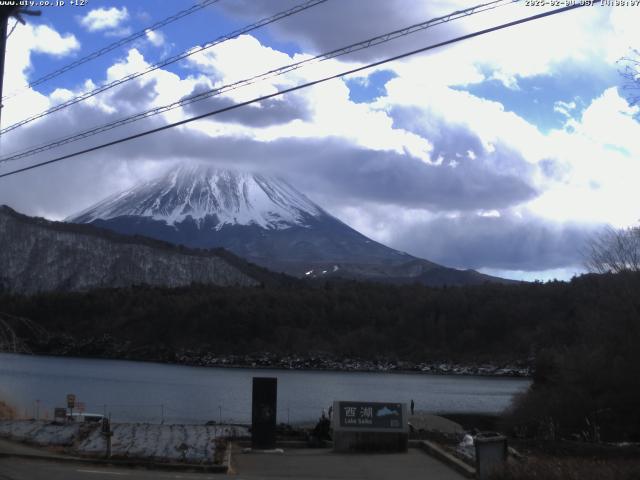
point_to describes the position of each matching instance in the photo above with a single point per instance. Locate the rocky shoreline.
(108, 347)
(318, 362)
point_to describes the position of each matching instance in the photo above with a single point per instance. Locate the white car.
(85, 417)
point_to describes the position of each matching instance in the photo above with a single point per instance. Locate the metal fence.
(162, 413)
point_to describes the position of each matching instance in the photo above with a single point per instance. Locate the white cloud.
(361, 159)
(623, 33)
(485, 118)
(47, 40)
(361, 139)
(26, 40)
(228, 60)
(104, 18)
(601, 153)
(334, 115)
(534, 48)
(155, 37)
(564, 108)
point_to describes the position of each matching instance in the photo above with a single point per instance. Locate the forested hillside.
(583, 335)
(412, 322)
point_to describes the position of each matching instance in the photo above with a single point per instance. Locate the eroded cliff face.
(37, 255)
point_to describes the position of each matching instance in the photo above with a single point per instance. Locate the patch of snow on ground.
(39, 432)
(162, 443)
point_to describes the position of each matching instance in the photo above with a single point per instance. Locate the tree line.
(583, 335)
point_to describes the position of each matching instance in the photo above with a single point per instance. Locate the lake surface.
(151, 392)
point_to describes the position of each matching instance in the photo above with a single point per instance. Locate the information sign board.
(371, 415)
(59, 413)
(370, 427)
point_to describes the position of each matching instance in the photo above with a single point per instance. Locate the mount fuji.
(263, 219)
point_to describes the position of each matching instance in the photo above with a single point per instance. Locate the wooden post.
(4, 20)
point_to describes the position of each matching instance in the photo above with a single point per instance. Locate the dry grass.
(571, 469)
(7, 412)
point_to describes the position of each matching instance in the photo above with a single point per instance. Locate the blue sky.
(194, 29)
(367, 89)
(503, 153)
(535, 97)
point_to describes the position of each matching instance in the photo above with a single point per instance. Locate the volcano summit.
(263, 219)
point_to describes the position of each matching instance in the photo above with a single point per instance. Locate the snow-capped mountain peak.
(262, 219)
(200, 191)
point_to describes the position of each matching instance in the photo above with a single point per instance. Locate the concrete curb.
(445, 457)
(125, 463)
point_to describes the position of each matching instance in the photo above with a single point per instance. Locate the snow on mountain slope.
(262, 219)
(198, 191)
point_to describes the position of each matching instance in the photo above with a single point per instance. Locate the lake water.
(151, 392)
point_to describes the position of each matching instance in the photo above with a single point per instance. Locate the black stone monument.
(263, 414)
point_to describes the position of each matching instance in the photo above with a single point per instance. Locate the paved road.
(321, 464)
(303, 464)
(7, 446)
(307, 465)
(19, 469)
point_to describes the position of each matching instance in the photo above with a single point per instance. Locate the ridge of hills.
(41, 255)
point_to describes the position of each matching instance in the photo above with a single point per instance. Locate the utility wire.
(167, 61)
(261, 77)
(297, 87)
(119, 43)
(12, 29)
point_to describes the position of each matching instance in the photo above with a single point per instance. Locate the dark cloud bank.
(322, 168)
(508, 242)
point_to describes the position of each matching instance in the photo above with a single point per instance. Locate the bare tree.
(630, 71)
(614, 251)
(15, 330)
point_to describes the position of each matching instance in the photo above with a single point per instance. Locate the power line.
(263, 76)
(297, 87)
(167, 61)
(119, 43)
(13, 28)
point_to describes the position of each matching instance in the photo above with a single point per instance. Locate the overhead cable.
(119, 43)
(257, 78)
(297, 87)
(167, 61)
